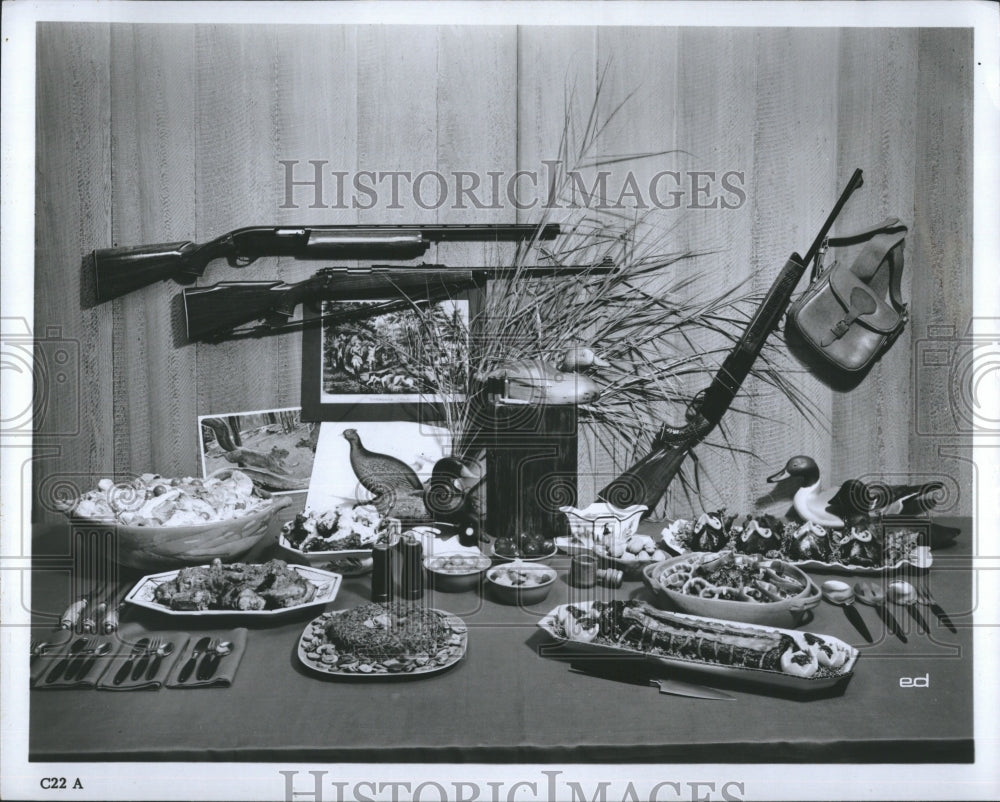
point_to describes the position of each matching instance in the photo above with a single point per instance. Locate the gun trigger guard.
(240, 260)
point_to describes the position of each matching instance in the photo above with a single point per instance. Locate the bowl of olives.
(521, 583)
(526, 546)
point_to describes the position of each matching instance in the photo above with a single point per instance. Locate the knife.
(859, 623)
(942, 616)
(199, 649)
(891, 622)
(921, 621)
(123, 672)
(60, 667)
(678, 688)
(635, 676)
(924, 594)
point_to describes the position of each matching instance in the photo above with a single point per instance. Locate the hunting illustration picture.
(396, 353)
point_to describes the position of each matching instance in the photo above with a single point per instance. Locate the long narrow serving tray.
(922, 558)
(823, 680)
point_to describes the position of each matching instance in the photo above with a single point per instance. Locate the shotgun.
(647, 480)
(119, 271)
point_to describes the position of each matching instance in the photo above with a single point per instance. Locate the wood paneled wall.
(171, 132)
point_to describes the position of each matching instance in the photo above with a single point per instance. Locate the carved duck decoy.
(854, 500)
(533, 381)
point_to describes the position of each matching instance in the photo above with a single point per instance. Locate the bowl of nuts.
(456, 571)
(161, 523)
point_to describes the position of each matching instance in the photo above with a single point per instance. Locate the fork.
(80, 657)
(925, 597)
(206, 661)
(142, 662)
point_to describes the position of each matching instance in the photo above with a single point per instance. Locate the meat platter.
(319, 650)
(793, 661)
(323, 587)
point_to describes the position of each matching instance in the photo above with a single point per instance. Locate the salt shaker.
(382, 567)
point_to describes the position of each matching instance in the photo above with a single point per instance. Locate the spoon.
(211, 662)
(904, 594)
(164, 650)
(199, 648)
(870, 594)
(842, 595)
(102, 648)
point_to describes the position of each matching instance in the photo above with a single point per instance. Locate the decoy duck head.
(802, 467)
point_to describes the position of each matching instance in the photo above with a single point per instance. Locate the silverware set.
(908, 596)
(144, 660)
(79, 660)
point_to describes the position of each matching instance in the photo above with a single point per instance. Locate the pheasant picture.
(394, 484)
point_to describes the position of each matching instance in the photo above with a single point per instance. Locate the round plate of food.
(383, 640)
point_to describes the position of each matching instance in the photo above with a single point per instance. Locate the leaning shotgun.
(216, 312)
(647, 480)
(119, 271)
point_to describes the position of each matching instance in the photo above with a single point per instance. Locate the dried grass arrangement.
(662, 325)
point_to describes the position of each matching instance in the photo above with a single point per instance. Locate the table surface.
(510, 700)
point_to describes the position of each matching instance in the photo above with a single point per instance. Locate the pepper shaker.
(412, 584)
(382, 568)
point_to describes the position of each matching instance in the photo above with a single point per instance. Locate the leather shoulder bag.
(849, 316)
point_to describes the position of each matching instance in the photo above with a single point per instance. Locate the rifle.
(119, 271)
(647, 480)
(213, 313)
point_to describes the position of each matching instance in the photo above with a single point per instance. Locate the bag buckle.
(861, 304)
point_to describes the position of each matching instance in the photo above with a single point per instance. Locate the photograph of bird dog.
(384, 462)
(274, 447)
(394, 356)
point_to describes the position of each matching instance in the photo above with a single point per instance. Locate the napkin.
(226, 671)
(56, 640)
(90, 664)
(128, 636)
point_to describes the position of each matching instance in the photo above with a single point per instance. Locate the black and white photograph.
(275, 447)
(492, 402)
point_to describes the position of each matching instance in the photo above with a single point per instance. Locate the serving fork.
(924, 597)
(869, 593)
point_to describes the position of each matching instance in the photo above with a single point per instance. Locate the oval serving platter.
(311, 643)
(755, 676)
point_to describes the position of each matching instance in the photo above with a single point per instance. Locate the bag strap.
(889, 225)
